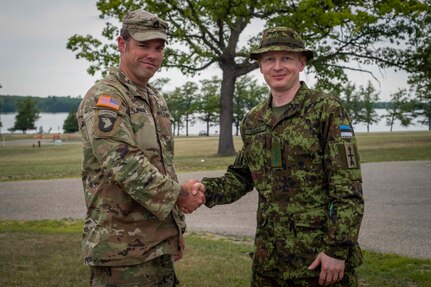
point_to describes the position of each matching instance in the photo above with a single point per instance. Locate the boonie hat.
(144, 26)
(281, 39)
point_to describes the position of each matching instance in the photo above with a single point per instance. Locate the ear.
(121, 44)
(260, 66)
(302, 61)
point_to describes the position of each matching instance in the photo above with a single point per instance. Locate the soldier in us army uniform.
(300, 154)
(134, 223)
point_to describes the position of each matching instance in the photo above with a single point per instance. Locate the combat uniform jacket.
(305, 168)
(130, 184)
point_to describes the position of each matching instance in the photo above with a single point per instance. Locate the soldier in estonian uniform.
(134, 223)
(300, 154)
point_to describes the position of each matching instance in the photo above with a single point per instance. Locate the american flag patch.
(107, 101)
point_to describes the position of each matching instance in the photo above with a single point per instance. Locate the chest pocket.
(144, 128)
(256, 147)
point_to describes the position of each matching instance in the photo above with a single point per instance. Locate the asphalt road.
(397, 207)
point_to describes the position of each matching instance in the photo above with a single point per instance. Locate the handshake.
(192, 195)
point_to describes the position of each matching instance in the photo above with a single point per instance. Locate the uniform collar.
(293, 107)
(136, 90)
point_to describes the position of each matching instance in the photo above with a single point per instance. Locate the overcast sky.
(34, 59)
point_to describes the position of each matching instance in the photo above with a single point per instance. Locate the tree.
(343, 34)
(70, 124)
(182, 103)
(419, 62)
(369, 97)
(401, 109)
(175, 105)
(188, 94)
(28, 114)
(208, 102)
(248, 93)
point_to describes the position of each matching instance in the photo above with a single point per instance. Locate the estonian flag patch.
(345, 131)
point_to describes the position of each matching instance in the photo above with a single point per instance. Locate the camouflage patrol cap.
(281, 39)
(144, 26)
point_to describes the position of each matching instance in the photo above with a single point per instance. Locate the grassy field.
(23, 162)
(47, 253)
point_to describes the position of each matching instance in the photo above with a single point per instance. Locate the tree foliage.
(346, 35)
(70, 124)
(368, 97)
(208, 102)
(248, 93)
(401, 109)
(50, 104)
(419, 61)
(28, 114)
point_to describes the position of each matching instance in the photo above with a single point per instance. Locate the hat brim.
(255, 55)
(142, 36)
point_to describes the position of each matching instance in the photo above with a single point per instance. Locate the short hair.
(125, 34)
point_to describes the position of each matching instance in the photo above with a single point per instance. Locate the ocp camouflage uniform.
(130, 184)
(305, 168)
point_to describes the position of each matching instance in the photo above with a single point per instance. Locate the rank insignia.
(350, 155)
(106, 120)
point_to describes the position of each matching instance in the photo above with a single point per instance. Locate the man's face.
(281, 69)
(141, 60)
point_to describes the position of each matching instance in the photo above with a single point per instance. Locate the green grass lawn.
(47, 253)
(23, 162)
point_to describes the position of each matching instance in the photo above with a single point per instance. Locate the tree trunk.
(225, 144)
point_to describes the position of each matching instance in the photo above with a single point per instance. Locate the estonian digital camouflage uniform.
(129, 179)
(304, 165)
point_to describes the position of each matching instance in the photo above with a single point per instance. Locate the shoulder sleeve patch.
(109, 102)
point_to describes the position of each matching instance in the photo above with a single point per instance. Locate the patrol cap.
(281, 39)
(144, 26)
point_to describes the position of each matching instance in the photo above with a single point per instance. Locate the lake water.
(54, 123)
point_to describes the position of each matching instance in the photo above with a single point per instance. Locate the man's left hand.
(332, 269)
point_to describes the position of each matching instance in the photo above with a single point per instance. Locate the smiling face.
(140, 60)
(281, 69)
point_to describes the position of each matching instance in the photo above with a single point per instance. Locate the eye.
(144, 45)
(286, 59)
(268, 59)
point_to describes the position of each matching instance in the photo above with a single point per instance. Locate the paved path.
(397, 211)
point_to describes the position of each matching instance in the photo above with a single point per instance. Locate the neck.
(283, 97)
(131, 77)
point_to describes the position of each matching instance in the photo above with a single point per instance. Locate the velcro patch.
(350, 155)
(345, 131)
(106, 120)
(109, 102)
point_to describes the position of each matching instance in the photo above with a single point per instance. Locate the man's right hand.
(192, 195)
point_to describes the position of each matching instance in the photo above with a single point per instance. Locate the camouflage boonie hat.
(145, 26)
(281, 39)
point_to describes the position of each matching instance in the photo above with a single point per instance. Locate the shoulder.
(257, 112)
(107, 92)
(321, 100)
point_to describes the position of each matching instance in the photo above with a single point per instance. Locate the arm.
(342, 166)
(235, 183)
(346, 205)
(123, 163)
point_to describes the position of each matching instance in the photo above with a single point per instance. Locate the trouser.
(158, 272)
(262, 280)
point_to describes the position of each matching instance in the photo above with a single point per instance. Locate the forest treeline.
(64, 104)
(50, 104)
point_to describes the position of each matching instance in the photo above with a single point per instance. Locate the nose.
(277, 64)
(151, 53)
